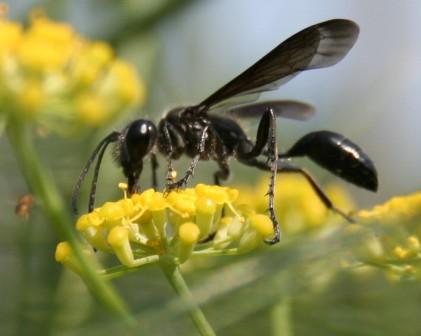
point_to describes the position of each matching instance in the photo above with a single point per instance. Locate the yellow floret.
(397, 209)
(157, 202)
(118, 236)
(10, 36)
(183, 202)
(112, 213)
(414, 242)
(88, 220)
(31, 98)
(205, 205)
(59, 33)
(128, 206)
(100, 52)
(400, 252)
(189, 233)
(93, 59)
(262, 224)
(216, 193)
(63, 252)
(127, 86)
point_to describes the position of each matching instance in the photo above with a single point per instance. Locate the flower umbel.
(204, 220)
(52, 75)
(395, 246)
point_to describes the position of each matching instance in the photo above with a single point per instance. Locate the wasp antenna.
(112, 137)
(96, 173)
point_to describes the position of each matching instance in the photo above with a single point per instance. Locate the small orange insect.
(24, 206)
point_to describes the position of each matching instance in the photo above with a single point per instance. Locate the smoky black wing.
(291, 109)
(318, 46)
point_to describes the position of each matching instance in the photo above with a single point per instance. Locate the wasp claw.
(274, 240)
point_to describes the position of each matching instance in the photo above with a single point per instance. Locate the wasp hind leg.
(290, 168)
(266, 139)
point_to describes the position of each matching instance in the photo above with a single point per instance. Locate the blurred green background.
(185, 50)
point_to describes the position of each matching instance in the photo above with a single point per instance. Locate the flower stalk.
(43, 187)
(281, 317)
(174, 276)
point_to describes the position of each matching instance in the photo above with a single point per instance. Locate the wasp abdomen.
(339, 155)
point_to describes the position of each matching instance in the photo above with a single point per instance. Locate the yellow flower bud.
(64, 255)
(205, 205)
(189, 235)
(118, 236)
(400, 252)
(63, 252)
(262, 224)
(414, 242)
(206, 209)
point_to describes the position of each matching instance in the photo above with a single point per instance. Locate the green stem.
(25, 230)
(281, 317)
(41, 184)
(174, 276)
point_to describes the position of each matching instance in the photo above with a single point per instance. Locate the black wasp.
(202, 133)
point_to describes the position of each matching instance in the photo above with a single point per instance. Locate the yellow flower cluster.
(50, 74)
(410, 250)
(202, 220)
(395, 246)
(397, 210)
(297, 206)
